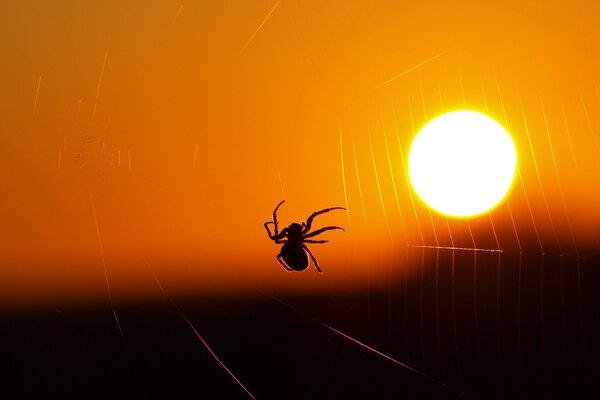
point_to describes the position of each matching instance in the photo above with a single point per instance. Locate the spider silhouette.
(293, 252)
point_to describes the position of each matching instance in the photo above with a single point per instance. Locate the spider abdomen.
(294, 256)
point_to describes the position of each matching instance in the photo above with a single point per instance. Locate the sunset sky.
(168, 131)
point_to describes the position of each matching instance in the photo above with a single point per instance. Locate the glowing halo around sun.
(462, 163)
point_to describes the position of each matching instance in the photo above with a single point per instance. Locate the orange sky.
(198, 133)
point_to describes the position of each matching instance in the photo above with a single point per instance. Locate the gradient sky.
(189, 121)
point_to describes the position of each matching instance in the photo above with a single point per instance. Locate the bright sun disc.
(462, 163)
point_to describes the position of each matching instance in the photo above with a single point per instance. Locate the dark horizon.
(282, 346)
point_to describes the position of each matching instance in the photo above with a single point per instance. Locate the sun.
(462, 163)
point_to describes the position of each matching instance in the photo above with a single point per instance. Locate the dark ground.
(533, 343)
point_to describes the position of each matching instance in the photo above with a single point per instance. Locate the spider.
(293, 252)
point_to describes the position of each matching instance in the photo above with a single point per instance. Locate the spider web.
(496, 312)
(471, 308)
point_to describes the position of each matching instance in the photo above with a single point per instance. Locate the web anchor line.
(373, 350)
(456, 248)
(193, 328)
(516, 251)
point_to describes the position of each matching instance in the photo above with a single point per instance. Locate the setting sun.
(462, 163)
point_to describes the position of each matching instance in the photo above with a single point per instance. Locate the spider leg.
(312, 257)
(280, 259)
(267, 228)
(277, 236)
(316, 241)
(318, 231)
(275, 216)
(313, 215)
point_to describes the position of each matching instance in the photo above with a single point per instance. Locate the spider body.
(293, 256)
(294, 252)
